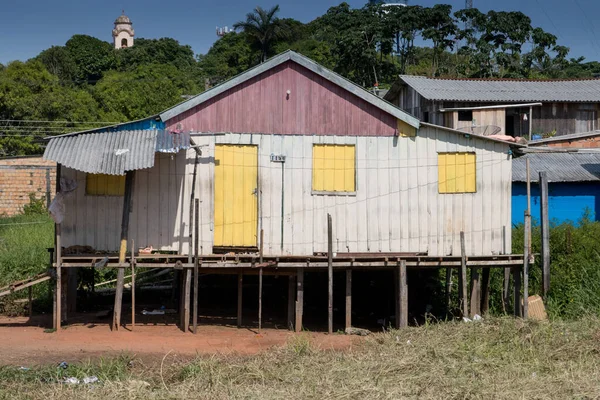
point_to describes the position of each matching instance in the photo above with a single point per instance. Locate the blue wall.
(566, 201)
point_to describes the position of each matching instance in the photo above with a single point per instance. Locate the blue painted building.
(573, 185)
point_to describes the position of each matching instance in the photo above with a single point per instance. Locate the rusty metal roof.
(560, 167)
(505, 90)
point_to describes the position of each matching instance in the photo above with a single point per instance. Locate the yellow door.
(236, 195)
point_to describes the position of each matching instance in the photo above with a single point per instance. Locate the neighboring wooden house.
(504, 106)
(573, 186)
(283, 145)
(585, 140)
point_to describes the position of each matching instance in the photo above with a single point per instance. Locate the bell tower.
(123, 32)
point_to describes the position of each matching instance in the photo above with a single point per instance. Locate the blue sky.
(29, 27)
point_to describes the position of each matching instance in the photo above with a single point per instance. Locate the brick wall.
(583, 143)
(21, 176)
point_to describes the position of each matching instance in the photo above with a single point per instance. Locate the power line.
(593, 38)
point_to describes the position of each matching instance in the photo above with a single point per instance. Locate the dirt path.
(24, 342)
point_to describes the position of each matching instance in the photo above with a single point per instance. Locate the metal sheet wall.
(396, 207)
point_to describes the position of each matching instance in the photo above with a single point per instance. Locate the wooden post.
(260, 280)
(485, 290)
(240, 283)
(528, 211)
(196, 261)
(299, 299)
(463, 276)
(48, 186)
(545, 225)
(402, 302)
(506, 280)
(64, 292)
(530, 122)
(517, 291)
(132, 284)
(127, 199)
(526, 253)
(348, 323)
(475, 293)
(291, 302)
(58, 291)
(448, 288)
(329, 275)
(30, 298)
(186, 305)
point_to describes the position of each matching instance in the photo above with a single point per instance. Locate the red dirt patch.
(24, 342)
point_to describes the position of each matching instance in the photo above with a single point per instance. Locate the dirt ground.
(23, 341)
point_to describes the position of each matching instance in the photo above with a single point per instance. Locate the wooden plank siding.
(314, 106)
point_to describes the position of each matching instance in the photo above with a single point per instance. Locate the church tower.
(123, 32)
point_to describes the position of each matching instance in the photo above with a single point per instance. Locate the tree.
(92, 57)
(228, 56)
(58, 61)
(440, 28)
(156, 51)
(405, 24)
(264, 28)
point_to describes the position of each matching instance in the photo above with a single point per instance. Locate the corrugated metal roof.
(498, 90)
(560, 167)
(562, 138)
(110, 153)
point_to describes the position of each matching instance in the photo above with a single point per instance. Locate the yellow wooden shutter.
(456, 173)
(334, 168)
(104, 185)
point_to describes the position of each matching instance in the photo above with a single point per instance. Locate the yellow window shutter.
(334, 168)
(104, 185)
(456, 173)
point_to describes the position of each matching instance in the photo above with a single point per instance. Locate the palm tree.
(264, 28)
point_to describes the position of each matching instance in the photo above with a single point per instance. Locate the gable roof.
(308, 64)
(505, 90)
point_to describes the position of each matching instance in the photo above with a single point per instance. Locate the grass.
(497, 358)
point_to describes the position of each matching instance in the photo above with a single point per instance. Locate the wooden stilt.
(506, 280)
(132, 285)
(58, 291)
(517, 292)
(526, 253)
(448, 288)
(196, 261)
(291, 302)
(403, 297)
(463, 277)
(30, 298)
(348, 323)
(260, 281)
(475, 293)
(329, 275)
(186, 305)
(299, 299)
(64, 292)
(485, 290)
(127, 199)
(545, 226)
(240, 283)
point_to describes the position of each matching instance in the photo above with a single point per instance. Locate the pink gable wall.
(314, 106)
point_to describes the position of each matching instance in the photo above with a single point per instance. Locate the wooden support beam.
(527, 252)
(545, 226)
(463, 277)
(329, 275)
(132, 285)
(485, 290)
(448, 289)
(402, 321)
(196, 260)
(348, 323)
(58, 291)
(260, 280)
(127, 200)
(518, 310)
(291, 302)
(30, 299)
(63, 298)
(240, 289)
(475, 293)
(186, 304)
(299, 299)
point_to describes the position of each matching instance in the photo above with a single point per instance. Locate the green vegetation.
(496, 358)
(88, 84)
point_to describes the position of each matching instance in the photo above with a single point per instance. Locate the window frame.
(463, 112)
(333, 192)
